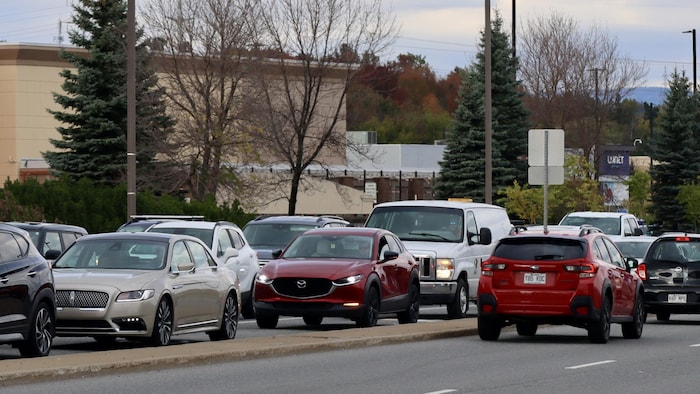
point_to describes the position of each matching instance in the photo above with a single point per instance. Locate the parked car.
(614, 224)
(138, 223)
(230, 247)
(353, 272)
(144, 286)
(267, 234)
(564, 275)
(27, 307)
(671, 275)
(47, 236)
(634, 246)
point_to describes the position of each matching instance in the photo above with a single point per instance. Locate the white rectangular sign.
(535, 175)
(536, 147)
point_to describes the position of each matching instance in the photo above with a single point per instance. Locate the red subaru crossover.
(559, 275)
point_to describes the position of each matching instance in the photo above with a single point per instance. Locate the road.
(558, 360)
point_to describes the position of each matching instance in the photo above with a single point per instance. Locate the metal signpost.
(545, 156)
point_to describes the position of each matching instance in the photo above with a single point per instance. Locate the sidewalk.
(18, 371)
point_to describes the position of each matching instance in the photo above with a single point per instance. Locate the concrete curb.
(18, 371)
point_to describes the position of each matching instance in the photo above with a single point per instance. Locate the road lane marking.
(442, 391)
(696, 345)
(591, 364)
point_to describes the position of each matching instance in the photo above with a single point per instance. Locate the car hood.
(316, 268)
(436, 249)
(95, 279)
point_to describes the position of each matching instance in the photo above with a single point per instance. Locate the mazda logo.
(301, 284)
(71, 298)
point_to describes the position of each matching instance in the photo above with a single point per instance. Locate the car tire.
(229, 320)
(489, 328)
(410, 315)
(599, 330)
(526, 329)
(633, 329)
(370, 312)
(41, 333)
(663, 316)
(162, 324)
(266, 320)
(313, 320)
(459, 306)
(247, 309)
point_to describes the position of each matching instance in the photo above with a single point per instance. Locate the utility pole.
(131, 109)
(695, 64)
(487, 104)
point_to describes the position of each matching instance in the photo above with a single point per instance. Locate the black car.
(671, 275)
(27, 307)
(267, 234)
(51, 236)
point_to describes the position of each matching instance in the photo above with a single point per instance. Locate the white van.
(449, 239)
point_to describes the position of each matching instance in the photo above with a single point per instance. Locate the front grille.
(302, 287)
(81, 299)
(427, 266)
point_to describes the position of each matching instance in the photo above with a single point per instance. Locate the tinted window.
(674, 250)
(533, 248)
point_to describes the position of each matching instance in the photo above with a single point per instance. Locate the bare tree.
(573, 77)
(203, 50)
(309, 52)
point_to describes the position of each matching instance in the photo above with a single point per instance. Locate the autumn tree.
(93, 119)
(302, 84)
(203, 47)
(574, 77)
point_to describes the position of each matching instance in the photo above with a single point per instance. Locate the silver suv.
(229, 245)
(270, 233)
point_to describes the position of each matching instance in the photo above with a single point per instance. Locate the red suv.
(564, 275)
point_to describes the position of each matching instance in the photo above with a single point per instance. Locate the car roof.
(636, 238)
(437, 203)
(163, 237)
(366, 231)
(192, 224)
(589, 214)
(44, 225)
(299, 219)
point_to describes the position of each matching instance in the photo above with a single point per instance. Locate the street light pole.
(695, 64)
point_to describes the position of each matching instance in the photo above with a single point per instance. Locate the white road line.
(695, 345)
(442, 391)
(591, 364)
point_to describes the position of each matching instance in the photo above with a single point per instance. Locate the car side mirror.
(485, 237)
(276, 253)
(390, 255)
(638, 231)
(52, 254)
(228, 254)
(185, 266)
(631, 263)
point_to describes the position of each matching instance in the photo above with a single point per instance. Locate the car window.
(601, 251)
(52, 241)
(615, 256)
(224, 242)
(238, 241)
(472, 229)
(202, 259)
(540, 248)
(9, 248)
(69, 238)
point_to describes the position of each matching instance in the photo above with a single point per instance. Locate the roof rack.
(135, 218)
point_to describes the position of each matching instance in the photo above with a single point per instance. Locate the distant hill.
(654, 95)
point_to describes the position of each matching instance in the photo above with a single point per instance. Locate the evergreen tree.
(675, 149)
(462, 171)
(94, 120)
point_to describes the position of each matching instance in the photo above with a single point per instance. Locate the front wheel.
(41, 332)
(410, 315)
(599, 330)
(370, 312)
(163, 324)
(265, 320)
(459, 306)
(229, 320)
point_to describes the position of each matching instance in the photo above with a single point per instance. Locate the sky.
(446, 32)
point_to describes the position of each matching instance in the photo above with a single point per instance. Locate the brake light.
(682, 239)
(642, 271)
(585, 270)
(487, 269)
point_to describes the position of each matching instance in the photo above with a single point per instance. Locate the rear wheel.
(313, 320)
(663, 316)
(599, 330)
(459, 306)
(489, 328)
(163, 324)
(370, 312)
(633, 329)
(526, 329)
(266, 320)
(41, 332)
(229, 320)
(410, 315)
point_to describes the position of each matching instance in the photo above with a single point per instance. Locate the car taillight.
(487, 269)
(642, 271)
(584, 270)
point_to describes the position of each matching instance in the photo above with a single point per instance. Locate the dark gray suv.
(267, 234)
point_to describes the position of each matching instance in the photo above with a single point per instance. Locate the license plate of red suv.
(532, 278)
(678, 298)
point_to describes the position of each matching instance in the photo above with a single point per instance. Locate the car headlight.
(263, 279)
(350, 280)
(135, 295)
(444, 268)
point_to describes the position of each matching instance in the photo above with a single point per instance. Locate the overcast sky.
(446, 32)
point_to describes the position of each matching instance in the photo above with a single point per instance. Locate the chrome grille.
(302, 287)
(427, 266)
(81, 299)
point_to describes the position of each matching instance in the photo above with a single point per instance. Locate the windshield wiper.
(430, 235)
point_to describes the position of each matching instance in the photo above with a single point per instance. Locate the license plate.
(532, 278)
(678, 298)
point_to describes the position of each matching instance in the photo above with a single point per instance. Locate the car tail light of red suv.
(561, 275)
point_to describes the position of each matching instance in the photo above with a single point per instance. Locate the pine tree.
(462, 171)
(94, 120)
(675, 150)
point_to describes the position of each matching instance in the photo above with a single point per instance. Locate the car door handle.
(31, 273)
(177, 287)
(4, 280)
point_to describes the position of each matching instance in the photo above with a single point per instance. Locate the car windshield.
(540, 248)
(325, 246)
(273, 235)
(432, 224)
(114, 254)
(204, 235)
(610, 226)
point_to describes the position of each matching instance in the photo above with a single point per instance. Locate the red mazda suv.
(562, 275)
(351, 272)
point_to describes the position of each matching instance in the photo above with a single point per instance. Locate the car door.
(185, 287)
(15, 286)
(396, 279)
(210, 286)
(628, 286)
